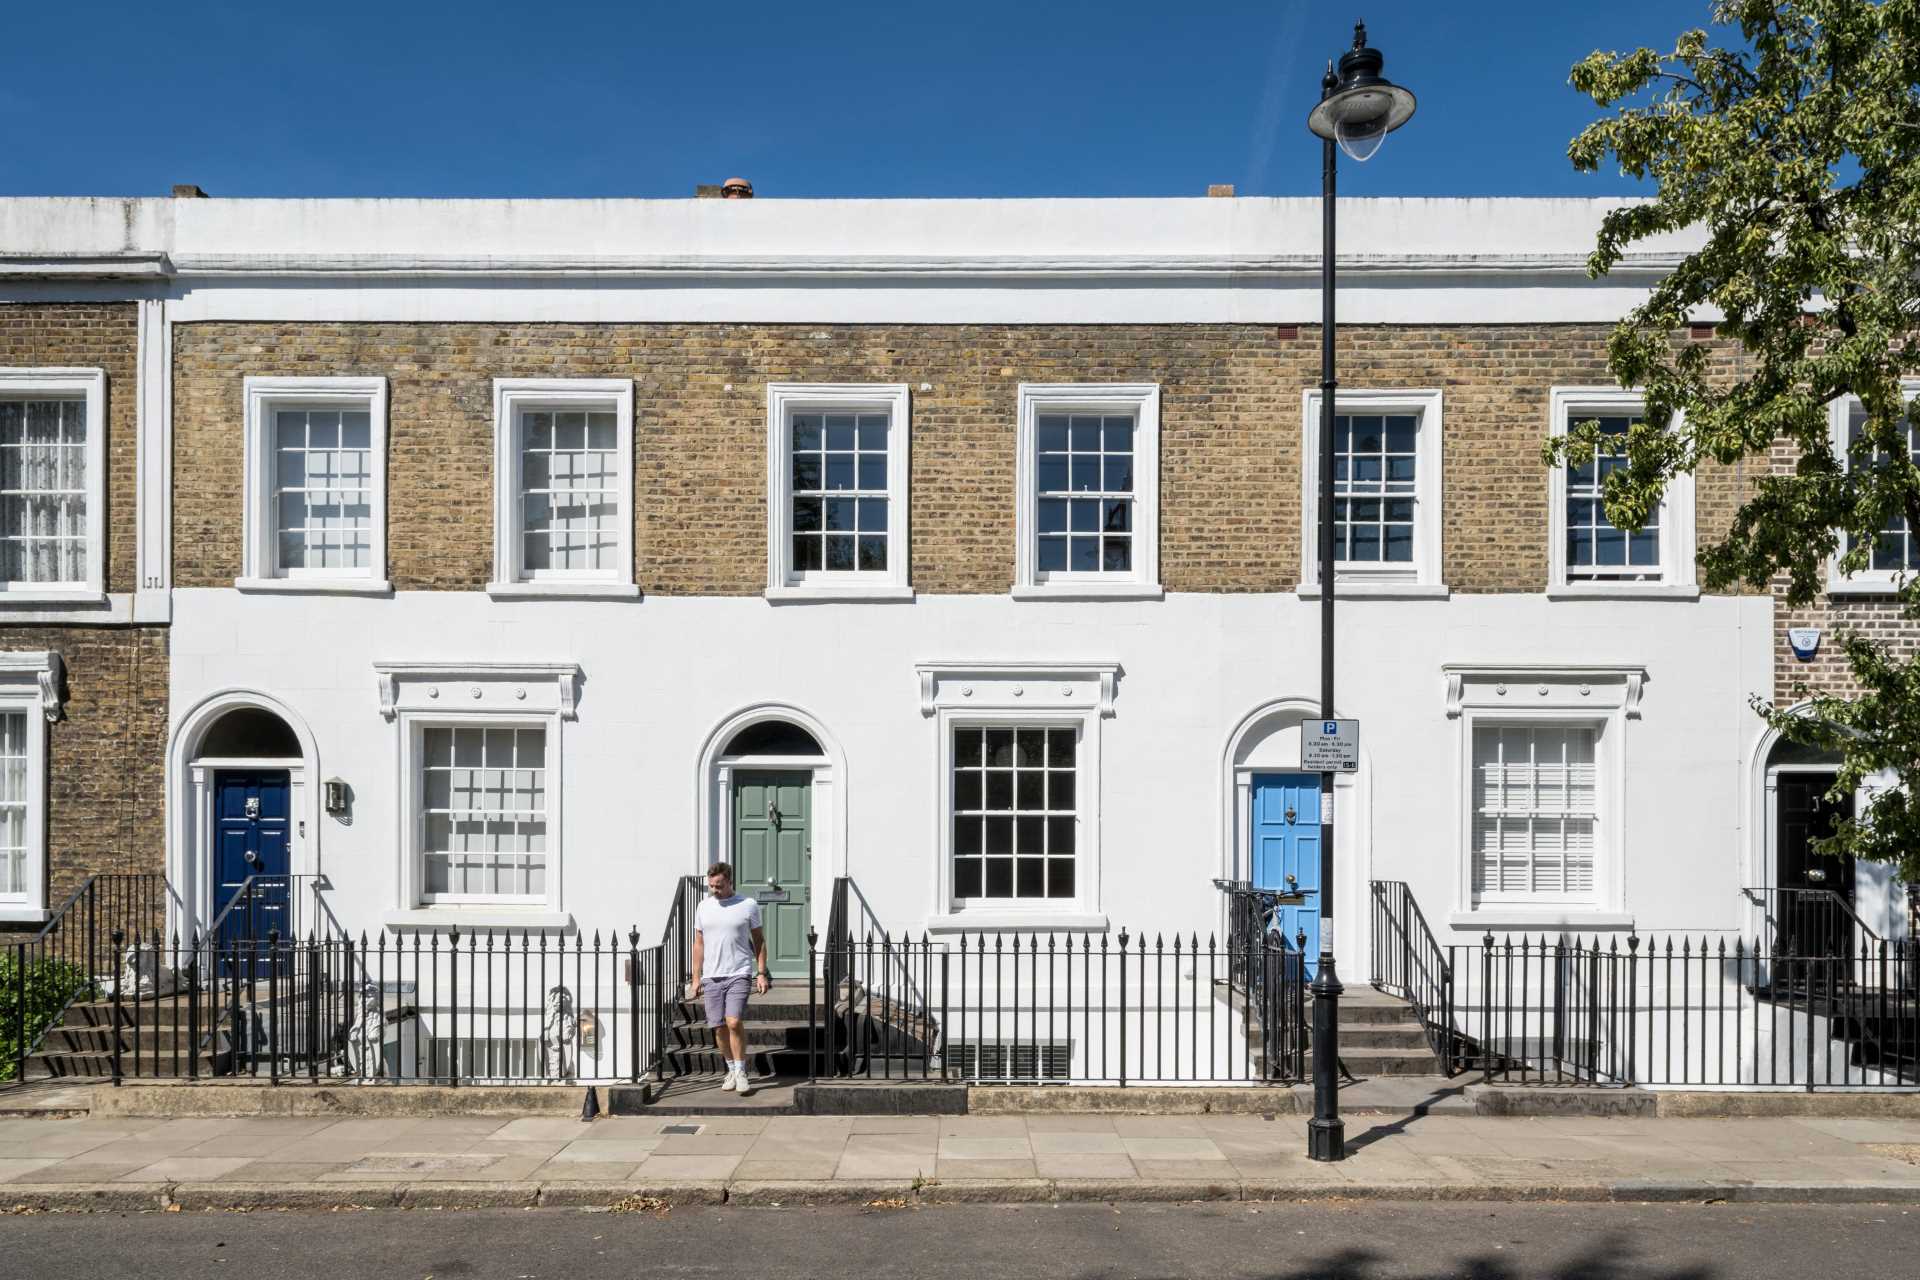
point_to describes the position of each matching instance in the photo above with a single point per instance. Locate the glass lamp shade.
(1359, 118)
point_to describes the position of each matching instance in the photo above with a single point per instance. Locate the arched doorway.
(1270, 826)
(1801, 886)
(772, 810)
(241, 777)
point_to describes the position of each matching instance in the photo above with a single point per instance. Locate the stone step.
(1381, 1035)
(770, 1035)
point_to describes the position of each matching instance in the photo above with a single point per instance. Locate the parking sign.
(1330, 746)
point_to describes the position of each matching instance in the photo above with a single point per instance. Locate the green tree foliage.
(1789, 137)
(41, 993)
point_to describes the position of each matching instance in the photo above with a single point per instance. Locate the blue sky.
(986, 98)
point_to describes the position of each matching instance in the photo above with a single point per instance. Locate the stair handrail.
(838, 972)
(1760, 896)
(80, 911)
(1418, 969)
(676, 956)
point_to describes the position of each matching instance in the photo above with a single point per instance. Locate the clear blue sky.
(982, 98)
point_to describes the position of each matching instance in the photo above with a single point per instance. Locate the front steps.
(778, 1035)
(1380, 1036)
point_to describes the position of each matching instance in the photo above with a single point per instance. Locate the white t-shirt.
(726, 927)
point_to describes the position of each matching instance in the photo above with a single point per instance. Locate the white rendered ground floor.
(980, 763)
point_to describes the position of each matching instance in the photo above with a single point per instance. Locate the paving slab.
(1096, 1165)
(184, 1169)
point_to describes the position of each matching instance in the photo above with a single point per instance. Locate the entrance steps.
(778, 1035)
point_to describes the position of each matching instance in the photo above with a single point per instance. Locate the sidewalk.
(130, 1163)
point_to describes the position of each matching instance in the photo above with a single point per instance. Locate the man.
(729, 953)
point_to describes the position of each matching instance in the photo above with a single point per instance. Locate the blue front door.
(251, 838)
(1286, 851)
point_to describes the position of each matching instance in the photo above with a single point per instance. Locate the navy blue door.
(251, 838)
(1286, 851)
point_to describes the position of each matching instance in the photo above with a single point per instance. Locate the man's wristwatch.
(763, 974)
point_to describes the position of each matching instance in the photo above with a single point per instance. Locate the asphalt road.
(1349, 1241)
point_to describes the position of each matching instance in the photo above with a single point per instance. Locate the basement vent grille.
(1025, 1060)
(499, 1058)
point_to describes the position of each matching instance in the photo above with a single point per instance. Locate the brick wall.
(106, 759)
(1230, 443)
(95, 336)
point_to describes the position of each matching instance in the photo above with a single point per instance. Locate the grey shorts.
(725, 997)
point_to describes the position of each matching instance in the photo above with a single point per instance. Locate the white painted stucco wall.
(659, 675)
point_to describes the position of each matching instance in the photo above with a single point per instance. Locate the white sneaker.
(741, 1085)
(733, 1078)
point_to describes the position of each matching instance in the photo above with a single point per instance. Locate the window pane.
(322, 499)
(572, 507)
(1090, 457)
(1024, 847)
(483, 796)
(43, 491)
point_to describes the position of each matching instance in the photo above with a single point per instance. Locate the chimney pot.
(736, 189)
(187, 191)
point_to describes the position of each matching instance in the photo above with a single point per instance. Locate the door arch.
(266, 737)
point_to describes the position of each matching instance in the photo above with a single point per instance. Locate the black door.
(1810, 923)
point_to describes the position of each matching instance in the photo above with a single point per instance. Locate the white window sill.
(863, 593)
(478, 918)
(1496, 919)
(17, 913)
(76, 598)
(1886, 587)
(1623, 591)
(1089, 591)
(981, 921)
(556, 590)
(316, 586)
(1349, 589)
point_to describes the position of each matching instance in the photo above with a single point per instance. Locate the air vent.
(1025, 1060)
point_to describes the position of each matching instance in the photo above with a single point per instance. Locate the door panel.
(251, 836)
(773, 849)
(1286, 851)
(1807, 924)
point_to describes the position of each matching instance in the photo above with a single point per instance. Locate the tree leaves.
(1788, 138)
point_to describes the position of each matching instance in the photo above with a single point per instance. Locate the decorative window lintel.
(503, 687)
(1035, 686)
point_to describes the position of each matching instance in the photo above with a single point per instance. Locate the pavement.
(122, 1162)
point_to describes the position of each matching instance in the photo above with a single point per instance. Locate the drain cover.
(682, 1129)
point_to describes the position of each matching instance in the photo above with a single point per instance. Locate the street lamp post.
(1358, 109)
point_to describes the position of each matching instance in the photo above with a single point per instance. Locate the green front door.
(773, 857)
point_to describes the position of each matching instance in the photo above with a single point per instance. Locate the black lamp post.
(1358, 109)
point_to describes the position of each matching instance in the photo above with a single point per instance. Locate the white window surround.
(513, 397)
(1867, 582)
(1142, 401)
(996, 694)
(259, 569)
(415, 697)
(1677, 579)
(1604, 697)
(90, 386)
(1421, 578)
(31, 684)
(784, 583)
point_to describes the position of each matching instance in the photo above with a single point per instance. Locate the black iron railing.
(71, 959)
(1046, 1007)
(1811, 922)
(485, 1006)
(1408, 962)
(1687, 1010)
(670, 967)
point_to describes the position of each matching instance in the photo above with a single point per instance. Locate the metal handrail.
(1758, 895)
(1417, 969)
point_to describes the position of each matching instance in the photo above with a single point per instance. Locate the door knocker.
(253, 806)
(1289, 815)
(773, 813)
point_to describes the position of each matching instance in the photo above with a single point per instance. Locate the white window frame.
(417, 696)
(1677, 537)
(32, 684)
(1601, 698)
(260, 569)
(89, 386)
(1419, 579)
(513, 397)
(784, 582)
(1003, 695)
(1869, 582)
(1142, 401)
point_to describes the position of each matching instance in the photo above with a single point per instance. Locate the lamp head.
(1358, 106)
